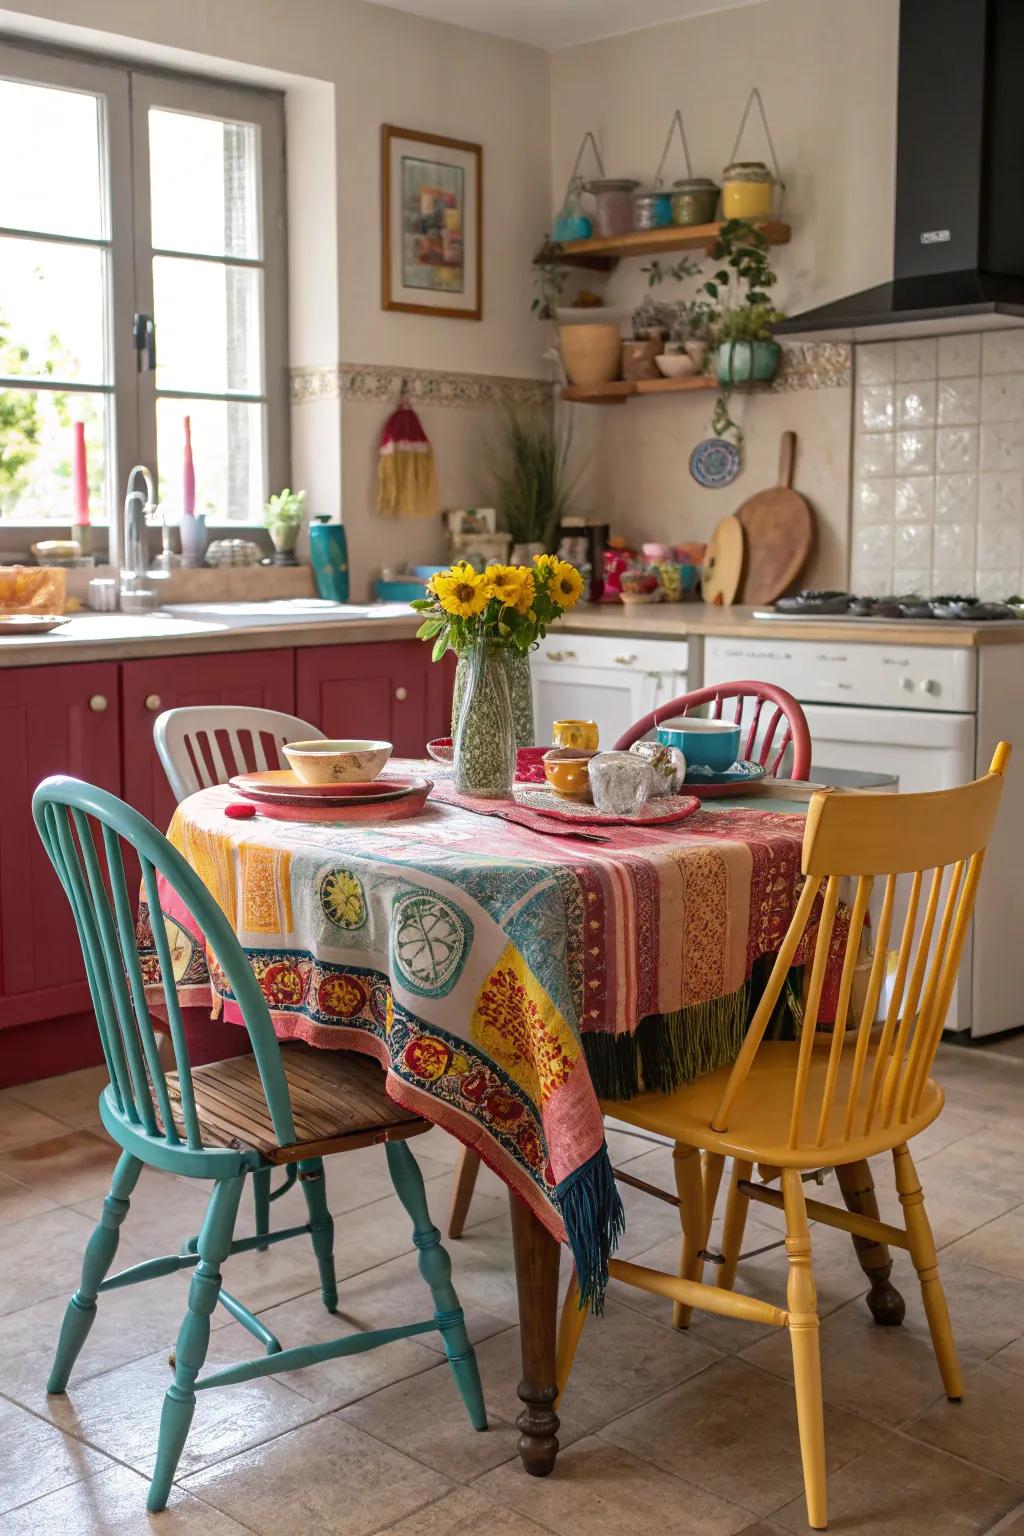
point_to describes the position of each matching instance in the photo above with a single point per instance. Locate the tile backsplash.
(938, 495)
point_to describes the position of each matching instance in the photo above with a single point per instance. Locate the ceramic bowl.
(706, 743)
(337, 762)
(639, 581)
(675, 365)
(581, 734)
(565, 769)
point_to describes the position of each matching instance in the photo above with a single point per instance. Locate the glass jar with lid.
(694, 200)
(748, 190)
(652, 208)
(613, 196)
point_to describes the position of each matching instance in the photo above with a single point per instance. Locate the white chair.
(187, 744)
(191, 755)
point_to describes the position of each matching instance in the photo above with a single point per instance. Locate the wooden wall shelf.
(620, 390)
(602, 255)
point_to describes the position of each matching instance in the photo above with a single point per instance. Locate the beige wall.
(347, 67)
(827, 71)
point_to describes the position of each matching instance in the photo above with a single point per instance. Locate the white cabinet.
(605, 678)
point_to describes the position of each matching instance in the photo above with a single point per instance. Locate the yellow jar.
(581, 734)
(748, 190)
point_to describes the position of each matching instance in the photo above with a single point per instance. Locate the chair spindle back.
(939, 840)
(775, 723)
(82, 829)
(204, 744)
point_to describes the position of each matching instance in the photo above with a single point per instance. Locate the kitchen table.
(504, 978)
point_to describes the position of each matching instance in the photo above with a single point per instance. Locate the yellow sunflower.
(527, 591)
(462, 590)
(545, 564)
(566, 584)
(505, 581)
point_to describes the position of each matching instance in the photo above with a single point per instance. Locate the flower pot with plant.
(282, 516)
(745, 348)
(532, 484)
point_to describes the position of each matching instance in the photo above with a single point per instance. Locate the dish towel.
(406, 477)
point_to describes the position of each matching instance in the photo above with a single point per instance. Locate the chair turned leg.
(314, 1187)
(261, 1202)
(570, 1330)
(885, 1303)
(96, 1262)
(436, 1269)
(802, 1304)
(463, 1185)
(690, 1189)
(734, 1225)
(922, 1251)
(194, 1336)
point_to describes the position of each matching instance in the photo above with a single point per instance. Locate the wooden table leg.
(884, 1300)
(536, 1258)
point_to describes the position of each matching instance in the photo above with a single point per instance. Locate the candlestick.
(189, 488)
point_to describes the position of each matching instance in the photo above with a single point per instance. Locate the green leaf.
(419, 603)
(429, 628)
(440, 646)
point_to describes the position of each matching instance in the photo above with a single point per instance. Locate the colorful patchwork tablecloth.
(503, 978)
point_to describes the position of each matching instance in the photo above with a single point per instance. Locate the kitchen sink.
(282, 610)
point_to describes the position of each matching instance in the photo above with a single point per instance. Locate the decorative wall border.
(373, 383)
(815, 365)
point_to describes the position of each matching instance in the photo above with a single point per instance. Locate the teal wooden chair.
(281, 1106)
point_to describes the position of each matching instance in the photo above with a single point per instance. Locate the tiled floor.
(663, 1434)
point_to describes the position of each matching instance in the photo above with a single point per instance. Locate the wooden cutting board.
(723, 562)
(778, 526)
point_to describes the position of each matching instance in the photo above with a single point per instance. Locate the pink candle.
(189, 491)
(81, 478)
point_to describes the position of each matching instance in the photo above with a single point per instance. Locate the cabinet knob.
(401, 694)
(98, 703)
(152, 702)
(626, 659)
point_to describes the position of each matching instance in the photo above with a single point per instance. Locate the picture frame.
(431, 224)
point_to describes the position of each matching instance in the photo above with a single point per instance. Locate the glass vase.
(483, 733)
(520, 692)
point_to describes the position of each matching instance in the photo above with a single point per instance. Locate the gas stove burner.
(823, 603)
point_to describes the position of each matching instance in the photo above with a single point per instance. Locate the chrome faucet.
(128, 545)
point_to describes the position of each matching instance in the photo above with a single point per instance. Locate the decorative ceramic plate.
(659, 812)
(279, 786)
(710, 783)
(715, 462)
(30, 623)
(408, 801)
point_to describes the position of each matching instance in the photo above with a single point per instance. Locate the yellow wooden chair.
(833, 1097)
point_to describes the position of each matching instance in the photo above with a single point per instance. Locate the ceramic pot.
(523, 554)
(747, 362)
(484, 738)
(591, 353)
(193, 535)
(520, 692)
(284, 537)
(328, 555)
(638, 359)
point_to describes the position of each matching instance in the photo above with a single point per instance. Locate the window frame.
(126, 91)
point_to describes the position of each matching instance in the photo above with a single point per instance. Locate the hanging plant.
(742, 330)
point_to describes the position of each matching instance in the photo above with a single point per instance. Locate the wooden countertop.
(676, 621)
(120, 637)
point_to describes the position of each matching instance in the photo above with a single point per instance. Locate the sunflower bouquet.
(510, 604)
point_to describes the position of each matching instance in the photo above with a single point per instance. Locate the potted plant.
(745, 349)
(282, 516)
(533, 488)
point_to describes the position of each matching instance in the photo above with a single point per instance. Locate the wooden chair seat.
(338, 1102)
(758, 1128)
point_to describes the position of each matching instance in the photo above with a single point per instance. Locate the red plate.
(278, 786)
(663, 811)
(408, 802)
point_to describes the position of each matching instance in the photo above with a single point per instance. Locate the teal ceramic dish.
(704, 743)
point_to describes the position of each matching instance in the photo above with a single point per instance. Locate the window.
(142, 282)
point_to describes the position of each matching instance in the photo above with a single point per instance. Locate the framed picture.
(432, 224)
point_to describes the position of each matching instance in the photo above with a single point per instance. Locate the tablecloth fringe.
(668, 1049)
(594, 1221)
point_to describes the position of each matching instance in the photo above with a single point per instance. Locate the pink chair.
(786, 723)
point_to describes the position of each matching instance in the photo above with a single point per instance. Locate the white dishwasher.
(606, 678)
(906, 710)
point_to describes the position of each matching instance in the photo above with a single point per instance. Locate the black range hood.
(958, 256)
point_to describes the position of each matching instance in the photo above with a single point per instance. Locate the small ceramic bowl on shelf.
(337, 762)
(639, 582)
(675, 365)
(565, 769)
(704, 743)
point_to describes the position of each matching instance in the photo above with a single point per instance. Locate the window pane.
(227, 451)
(37, 448)
(51, 169)
(207, 326)
(203, 184)
(52, 310)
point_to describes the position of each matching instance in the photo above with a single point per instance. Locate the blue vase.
(328, 555)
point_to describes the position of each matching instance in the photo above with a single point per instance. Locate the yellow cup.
(575, 733)
(565, 769)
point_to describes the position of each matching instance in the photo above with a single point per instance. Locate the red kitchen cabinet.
(388, 691)
(264, 679)
(53, 719)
